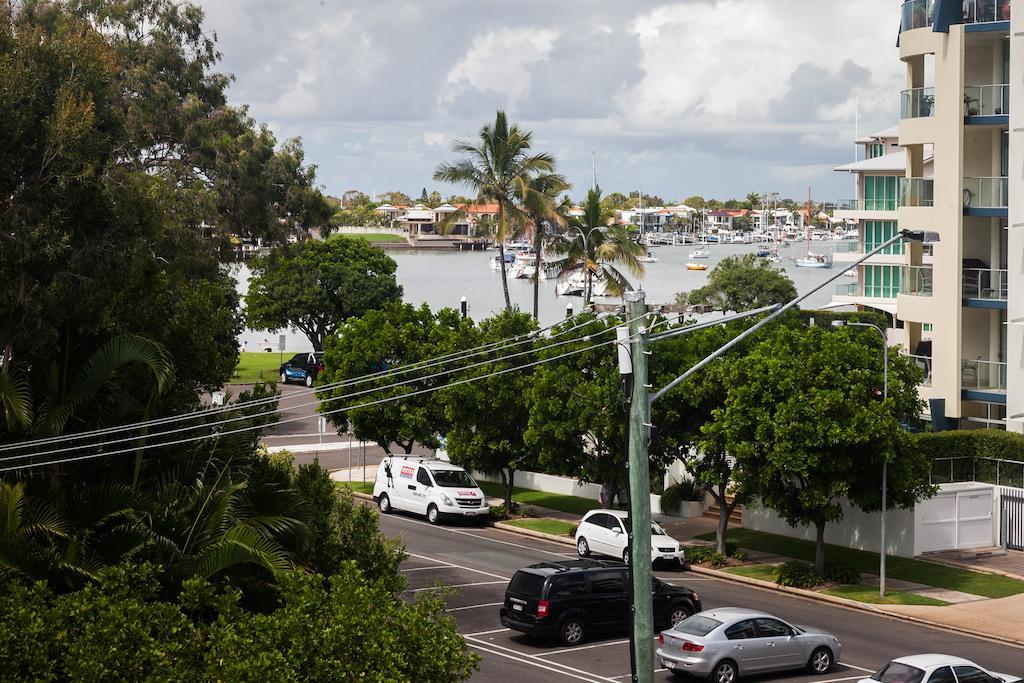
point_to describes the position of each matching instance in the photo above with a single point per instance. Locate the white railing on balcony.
(982, 11)
(986, 100)
(917, 103)
(916, 280)
(985, 283)
(925, 363)
(917, 14)
(986, 193)
(916, 191)
(983, 375)
(850, 289)
(844, 205)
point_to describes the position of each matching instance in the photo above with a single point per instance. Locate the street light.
(885, 459)
(586, 259)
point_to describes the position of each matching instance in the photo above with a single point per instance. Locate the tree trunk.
(819, 548)
(504, 276)
(509, 485)
(537, 245)
(608, 490)
(724, 511)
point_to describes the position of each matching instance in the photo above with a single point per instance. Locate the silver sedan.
(723, 644)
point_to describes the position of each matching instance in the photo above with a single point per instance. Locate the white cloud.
(433, 139)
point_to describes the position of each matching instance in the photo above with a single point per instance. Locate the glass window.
(772, 628)
(894, 672)
(453, 478)
(608, 583)
(423, 478)
(741, 630)
(942, 675)
(972, 674)
(526, 583)
(597, 520)
(697, 625)
(565, 586)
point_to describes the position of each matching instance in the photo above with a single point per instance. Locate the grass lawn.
(870, 594)
(254, 366)
(764, 572)
(918, 571)
(558, 527)
(552, 501)
(359, 486)
(375, 236)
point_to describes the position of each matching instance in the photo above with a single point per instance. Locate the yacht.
(700, 253)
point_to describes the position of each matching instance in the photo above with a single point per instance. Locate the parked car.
(723, 644)
(936, 669)
(603, 532)
(569, 599)
(428, 487)
(302, 367)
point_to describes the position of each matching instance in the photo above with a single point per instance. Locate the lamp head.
(838, 323)
(923, 236)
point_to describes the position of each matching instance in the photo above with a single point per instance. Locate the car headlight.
(696, 597)
(446, 500)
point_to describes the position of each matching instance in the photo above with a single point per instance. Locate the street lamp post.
(586, 260)
(885, 459)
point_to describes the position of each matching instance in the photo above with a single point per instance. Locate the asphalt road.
(477, 563)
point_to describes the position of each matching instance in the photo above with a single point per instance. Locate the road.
(477, 563)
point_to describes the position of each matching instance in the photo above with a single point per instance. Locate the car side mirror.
(617, 530)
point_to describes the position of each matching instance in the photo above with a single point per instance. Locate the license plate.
(469, 513)
(670, 664)
(518, 608)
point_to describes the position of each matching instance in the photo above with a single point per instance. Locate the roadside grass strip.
(358, 486)
(256, 366)
(869, 594)
(916, 571)
(547, 525)
(553, 501)
(763, 572)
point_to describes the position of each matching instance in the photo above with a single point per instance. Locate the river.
(441, 279)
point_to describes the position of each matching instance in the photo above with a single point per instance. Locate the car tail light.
(542, 608)
(692, 647)
(661, 639)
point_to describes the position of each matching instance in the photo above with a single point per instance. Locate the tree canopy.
(742, 283)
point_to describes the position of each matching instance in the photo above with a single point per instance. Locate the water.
(441, 279)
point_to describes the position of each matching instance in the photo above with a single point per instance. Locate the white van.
(428, 487)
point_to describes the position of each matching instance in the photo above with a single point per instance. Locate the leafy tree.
(488, 418)
(434, 199)
(752, 200)
(615, 201)
(499, 168)
(396, 336)
(695, 202)
(802, 417)
(742, 283)
(358, 210)
(394, 198)
(315, 286)
(544, 213)
(423, 196)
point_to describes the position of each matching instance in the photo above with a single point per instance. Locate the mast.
(593, 165)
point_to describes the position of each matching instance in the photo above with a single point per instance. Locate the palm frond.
(118, 351)
(240, 545)
(16, 396)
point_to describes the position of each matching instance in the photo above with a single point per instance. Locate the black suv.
(302, 367)
(569, 599)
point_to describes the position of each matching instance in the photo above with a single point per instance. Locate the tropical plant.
(499, 168)
(544, 214)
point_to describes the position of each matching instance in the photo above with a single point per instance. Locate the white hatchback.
(603, 532)
(934, 668)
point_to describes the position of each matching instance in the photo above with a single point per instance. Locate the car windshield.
(697, 625)
(452, 478)
(895, 672)
(657, 530)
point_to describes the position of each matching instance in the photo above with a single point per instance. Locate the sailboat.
(811, 260)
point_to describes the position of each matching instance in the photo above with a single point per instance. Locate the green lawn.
(358, 486)
(764, 572)
(254, 366)
(558, 527)
(870, 594)
(918, 571)
(375, 236)
(552, 501)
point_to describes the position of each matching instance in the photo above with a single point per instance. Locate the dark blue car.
(302, 367)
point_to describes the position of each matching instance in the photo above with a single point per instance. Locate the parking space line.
(491, 651)
(420, 569)
(567, 668)
(858, 668)
(455, 585)
(486, 604)
(582, 647)
(459, 566)
(485, 633)
(837, 680)
(485, 538)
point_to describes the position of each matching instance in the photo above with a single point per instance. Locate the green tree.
(499, 168)
(695, 202)
(741, 283)
(315, 286)
(545, 213)
(616, 201)
(752, 200)
(394, 198)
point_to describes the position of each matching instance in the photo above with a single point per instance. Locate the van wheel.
(433, 516)
(284, 378)
(309, 380)
(582, 548)
(820, 661)
(572, 631)
(384, 503)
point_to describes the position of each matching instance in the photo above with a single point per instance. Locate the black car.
(302, 367)
(569, 599)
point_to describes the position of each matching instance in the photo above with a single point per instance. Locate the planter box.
(687, 509)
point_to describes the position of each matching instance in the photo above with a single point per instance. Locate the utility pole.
(639, 493)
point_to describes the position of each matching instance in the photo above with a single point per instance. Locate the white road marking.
(858, 668)
(420, 569)
(485, 633)
(490, 651)
(567, 668)
(485, 538)
(456, 585)
(582, 647)
(836, 680)
(486, 604)
(458, 566)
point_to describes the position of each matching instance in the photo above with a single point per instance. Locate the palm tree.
(596, 249)
(499, 168)
(753, 200)
(543, 212)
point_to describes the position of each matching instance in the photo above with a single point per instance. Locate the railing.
(917, 14)
(850, 289)
(983, 11)
(916, 191)
(916, 280)
(986, 193)
(858, 247)
(925, 363)
(983, 374)
(850, 247)
(984, 470)
(985, 283)
(845, 205)
(917, 102)
(986, 100)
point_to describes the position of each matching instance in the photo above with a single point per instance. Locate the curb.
(534, 534)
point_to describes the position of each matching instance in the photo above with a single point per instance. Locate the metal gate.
(1011, 519)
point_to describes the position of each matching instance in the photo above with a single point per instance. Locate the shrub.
(680, 491)
(705, 555)
(842, 572)
(797, 574)
(498, 513)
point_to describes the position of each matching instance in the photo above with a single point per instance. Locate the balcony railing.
(983, 375)
(916, 191)
(982, 11)
(916, 280)
(925, 363)
(985, 283)
(845, 205)
(987, 100)
(986, 193)
(917, 102)
(917, 14)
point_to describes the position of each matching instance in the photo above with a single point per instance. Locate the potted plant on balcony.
(927, 102)
(971, 104)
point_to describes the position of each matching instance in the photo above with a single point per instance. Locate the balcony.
(917, 192)
(985, 193)
(925, 363)
(917, 14)
(983, 375)
(916, 280)
(987, 100)
(917, 102)
(986, 11)
(845, 205)
(987, 284)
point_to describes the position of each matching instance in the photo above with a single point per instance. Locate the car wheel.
(678, 612)
(309, 380)
(384, 503)
(582, 548)
(433, 516)
(820, 661)
(571, 631)
(724, 672)
(284, 378)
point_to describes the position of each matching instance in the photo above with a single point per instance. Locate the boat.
(647, 258)
(762, 252)
(850, 273)
(700, 253)
(575, 284)
(812, 260)
(696, 266)
(495, 261)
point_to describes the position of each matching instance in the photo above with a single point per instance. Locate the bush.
(705, 555)
(680, 491)
(842, 572)
(498, 513)
(797, 574)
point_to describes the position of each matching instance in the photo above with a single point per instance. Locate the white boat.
(813, 260)
(850, 273)
(575, 284)
(851, 234)
(647, 258)
(495, 261)
(700, 253)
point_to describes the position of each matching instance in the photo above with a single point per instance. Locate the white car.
(603, 532)
(428, 487)
(936, 669)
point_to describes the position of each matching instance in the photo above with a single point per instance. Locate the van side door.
(419, 491)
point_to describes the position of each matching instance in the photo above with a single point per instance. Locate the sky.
(709, 97)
